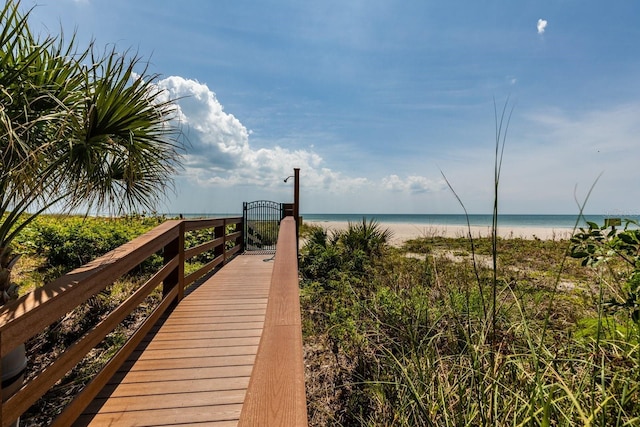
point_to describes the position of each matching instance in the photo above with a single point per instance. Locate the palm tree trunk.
(7, 261)
(15, 362)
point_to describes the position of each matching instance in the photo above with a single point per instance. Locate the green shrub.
(353, 250)
(619, 249)
(412, 343)
(67, 242)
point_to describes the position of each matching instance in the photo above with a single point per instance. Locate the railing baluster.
(219, 250)
(170, 251)
(181, 261)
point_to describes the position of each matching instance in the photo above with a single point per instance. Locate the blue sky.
(374, 99)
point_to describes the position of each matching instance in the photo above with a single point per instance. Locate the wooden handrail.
(276, 394)
(24, 318)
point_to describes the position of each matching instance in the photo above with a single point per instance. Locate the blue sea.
(542, 221)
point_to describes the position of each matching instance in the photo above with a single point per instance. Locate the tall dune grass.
(428, 340)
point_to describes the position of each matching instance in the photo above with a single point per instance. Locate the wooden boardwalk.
(195, 366)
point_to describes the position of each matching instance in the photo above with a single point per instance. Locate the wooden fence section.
(195, 366)
(276, 394)
(26, 317)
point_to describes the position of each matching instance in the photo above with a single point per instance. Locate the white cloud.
(542, 25)
(548, 153)
(554, 150)
(412, 184)
(221, 160)
(219, 152)
(218, 140)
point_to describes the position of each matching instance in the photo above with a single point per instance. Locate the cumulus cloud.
(412, 184)
(219, 152)
(217, 139)
(542, 25)
(220, 155)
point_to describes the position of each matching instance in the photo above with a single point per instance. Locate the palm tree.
(78, 129)
(366, 236)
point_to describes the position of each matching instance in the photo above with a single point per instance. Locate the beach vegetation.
(407, 341)
(475, 331)
(331, 254)
(601, 247)
(66, 242)
(262, 234)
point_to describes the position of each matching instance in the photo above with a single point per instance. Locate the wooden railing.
(276, 394)
(32, 313)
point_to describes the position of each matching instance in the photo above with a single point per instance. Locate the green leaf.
(628, 238)
(579, 254)
(593, 225)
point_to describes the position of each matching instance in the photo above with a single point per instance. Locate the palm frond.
(97, 136)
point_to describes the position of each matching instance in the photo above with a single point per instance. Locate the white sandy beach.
(404, 231)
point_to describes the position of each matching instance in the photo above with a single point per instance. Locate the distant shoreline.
(407, 231)
(558, 221)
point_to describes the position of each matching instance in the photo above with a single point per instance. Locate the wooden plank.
(234, 235)
(197, 315)
(72, 411)
(197, 352)
(162, 417)
(197, 250)
(220, 321)
(276, 394)
(170, 400)
(218, 318)
(177, 328)
(189, 362)
(200, 224)
(157, 388)
(195, 366)
(205, 303)
(228, 297)
(207, 307)
(181, 346)
(223, 310)
(207, 335)
(182, 374)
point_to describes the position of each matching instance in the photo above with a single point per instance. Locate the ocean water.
(542, 221)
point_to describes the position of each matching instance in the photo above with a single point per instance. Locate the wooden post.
(1, 392)
(296, 204)
(181, 261)
(176, 277)
(240, 240)
(171, 250)
(220, 231)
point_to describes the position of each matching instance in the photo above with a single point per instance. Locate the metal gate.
(261, 224)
